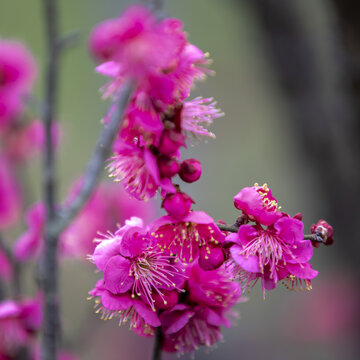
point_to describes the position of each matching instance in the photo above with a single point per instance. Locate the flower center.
(269, 202)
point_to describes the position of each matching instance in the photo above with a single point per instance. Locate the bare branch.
(95, 166)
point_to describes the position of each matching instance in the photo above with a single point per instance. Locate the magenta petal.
(116, 275)
(104, 251)
(134, 242)
(9, 308)
(213, 260)
(110, 69)
(247, 233)
(28, 245)
(250, 264)
(113, 302)
(301, 252)
(302, 271)
(289, 229)
(146, 313)
(163, 221)
(198, 217)
(213, 318)
(5, 267)
(174, 320)
(233, 237)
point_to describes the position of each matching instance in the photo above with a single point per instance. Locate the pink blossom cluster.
(158, 122)
(177, 274)
(150, 289)
(273, 248)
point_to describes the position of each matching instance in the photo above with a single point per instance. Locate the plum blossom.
(19, 322)
(141, 318)
(185, 237)
(198, 318)
(273, 254)
(130, 262)
(258, 203)
(17, 74)
(10, 194)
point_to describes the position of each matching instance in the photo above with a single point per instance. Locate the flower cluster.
(149, 289)
(157, 58)
(177, 274)
(273, 249)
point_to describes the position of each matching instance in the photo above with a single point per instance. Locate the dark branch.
(157, 344)
(48, 265)
(234, 229)
(95, 166)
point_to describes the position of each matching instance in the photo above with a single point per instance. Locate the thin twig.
(95, 166)
(234, 229)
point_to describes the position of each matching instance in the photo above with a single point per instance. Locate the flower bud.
(190, 170)
(168, 167)
(177, 205)
(324, 231)
(170, 142)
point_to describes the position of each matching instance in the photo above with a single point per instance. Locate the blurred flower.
(10, 195)
(17, 73)
(19, 322)
(5, 267)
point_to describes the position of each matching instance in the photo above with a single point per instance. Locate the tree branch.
(234, 229)
(95, 166)
(48, 265)
(157, 345)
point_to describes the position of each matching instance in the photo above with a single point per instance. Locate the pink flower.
(273, 254)
(17, 73)
(258, 204)
(19, 321)
(5, 267)
(136, 41)
(197, 115)
(141, 318)
(186, 236)
(10, 195)
(204, 309)
(23, 141)
(30, 243)
(137, 168)
(130, 262)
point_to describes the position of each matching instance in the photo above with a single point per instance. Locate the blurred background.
(288, 80)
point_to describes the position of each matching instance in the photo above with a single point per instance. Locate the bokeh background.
(287, 78)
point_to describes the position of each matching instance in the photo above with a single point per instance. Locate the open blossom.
(19, 322)
(131, 263)
(17, 73)
(197, 115)
(139, 315)
(258, 203)
(137, 168)
(271, 253)
(198, 318)
(22, 141)
(10, 195)
(187, 236)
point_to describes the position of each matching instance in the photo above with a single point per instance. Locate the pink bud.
(190, 170)
(170, 142)
(324, 231)
(167, 301)
(177, 205)
(211, 258)
(168, 167)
